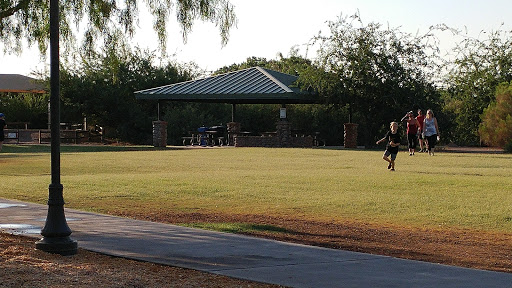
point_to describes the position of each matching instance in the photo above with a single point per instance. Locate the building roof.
(254, 85)
(16, 83)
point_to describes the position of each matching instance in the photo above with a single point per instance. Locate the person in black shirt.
(393, 138)
(2, 126)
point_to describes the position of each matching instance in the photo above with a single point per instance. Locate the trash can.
(203, 138)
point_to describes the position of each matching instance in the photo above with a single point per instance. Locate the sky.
(269, 27)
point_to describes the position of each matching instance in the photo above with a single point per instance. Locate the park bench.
(190, 139)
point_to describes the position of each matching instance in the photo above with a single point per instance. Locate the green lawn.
(448, 190)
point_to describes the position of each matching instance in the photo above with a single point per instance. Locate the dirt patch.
(464, 248)
(23, 266)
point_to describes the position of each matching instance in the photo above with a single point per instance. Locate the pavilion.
(15, 83)
(254, 85)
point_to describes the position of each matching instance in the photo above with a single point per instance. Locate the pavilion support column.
(234, 129)
(159, 133)
(284, 133)
(350, 135)
(233, 112)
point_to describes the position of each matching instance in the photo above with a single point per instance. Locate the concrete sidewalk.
(243, 257)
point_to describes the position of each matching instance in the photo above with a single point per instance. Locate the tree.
(293, 65)
(101, 89)
(104, 20)
(377, 74)
(496, 126)
(480, 66)
(26, 107)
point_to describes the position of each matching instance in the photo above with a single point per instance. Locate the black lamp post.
(55, 231)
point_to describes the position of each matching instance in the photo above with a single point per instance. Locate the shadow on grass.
(279, 233)
(10, 148)
(239, 228)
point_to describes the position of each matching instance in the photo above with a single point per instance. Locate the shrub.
(508, 147)
(496, 126)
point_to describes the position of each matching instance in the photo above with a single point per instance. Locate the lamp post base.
(56, 231)
(64, 246)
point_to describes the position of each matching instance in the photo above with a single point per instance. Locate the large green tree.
(479, 67)
(377, 74)
(104, 20)
(101, 90)
(25, 107)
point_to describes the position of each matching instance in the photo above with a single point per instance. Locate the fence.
(43, 136)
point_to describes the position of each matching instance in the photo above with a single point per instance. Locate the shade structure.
(15, 83)
(254, 85)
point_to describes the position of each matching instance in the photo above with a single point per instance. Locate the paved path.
(244, 257)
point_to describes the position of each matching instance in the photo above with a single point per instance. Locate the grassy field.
(448, 190)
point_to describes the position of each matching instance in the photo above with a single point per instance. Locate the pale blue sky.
(269, 27)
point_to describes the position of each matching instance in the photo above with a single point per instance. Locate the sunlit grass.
(455, 190)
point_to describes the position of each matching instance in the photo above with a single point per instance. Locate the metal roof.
(15, 83)
(254, 85)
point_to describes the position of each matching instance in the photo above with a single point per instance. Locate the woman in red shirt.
(412, 131)
(420, 119)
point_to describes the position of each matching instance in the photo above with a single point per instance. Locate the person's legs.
(431, 144)
(409, 144)
(411, 139)
(392, 163)
(386, 157)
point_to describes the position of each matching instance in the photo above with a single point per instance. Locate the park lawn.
(468, 191)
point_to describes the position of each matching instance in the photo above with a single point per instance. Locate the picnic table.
(205, 136)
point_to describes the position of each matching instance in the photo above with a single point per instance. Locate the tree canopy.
(101, 89)
(474, 76)
(107, 20)
(377, 73)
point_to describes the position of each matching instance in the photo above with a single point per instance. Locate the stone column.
(233, 129)
(159, 133)
(284, 133)
(350, 135)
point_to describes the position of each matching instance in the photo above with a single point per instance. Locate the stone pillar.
(284, 133)
(350, 135)
(233, 129)
(159, 133)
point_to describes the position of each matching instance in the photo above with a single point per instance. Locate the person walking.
(2, 127)
(412, 131)
(393, 138)
(421, 141)
(431, 131)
